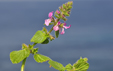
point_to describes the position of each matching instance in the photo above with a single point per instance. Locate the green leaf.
(45, 42)
(56, 65)
(41, 58)
(60, 8)
(63, 18)
(39, 37)
(69, 7)
(57, 33)
(65, 13)
(81, 65)
(18, 56)
(68, 67)
(51, 23)
(85, 59)
(64, 6)
(70, 3)
(57, 16)
(24, 46)
(30, 46)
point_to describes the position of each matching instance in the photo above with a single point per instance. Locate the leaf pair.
(41, 58)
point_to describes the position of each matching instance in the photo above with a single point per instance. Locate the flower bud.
(58, 12)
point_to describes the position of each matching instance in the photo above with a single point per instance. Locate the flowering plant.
(44, 37)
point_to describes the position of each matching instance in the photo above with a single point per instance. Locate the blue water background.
(90, 35)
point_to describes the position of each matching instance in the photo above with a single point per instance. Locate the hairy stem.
(23, 64)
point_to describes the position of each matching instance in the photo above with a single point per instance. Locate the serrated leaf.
(68, 67)
(18, 56)
(57, 33)
(56, 65)
(39, 37)
(41, 58)
(81, 65)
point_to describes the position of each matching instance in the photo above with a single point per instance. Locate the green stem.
(53, 26)
(34, 44)
(51, 30)
(23, 64)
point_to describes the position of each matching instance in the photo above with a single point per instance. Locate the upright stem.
(53, 26)
(51, 30)
(23, 64)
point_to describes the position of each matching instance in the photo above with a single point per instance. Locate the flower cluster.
(59, 26)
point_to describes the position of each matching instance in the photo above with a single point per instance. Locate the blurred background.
(90, 35)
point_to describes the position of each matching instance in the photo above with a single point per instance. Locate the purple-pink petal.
(64, 24)
(59, 23)
(60, 29)
(58, 12)
(67, 27)
(62, 32)
(56, 28)
(47, 21)
(50, 14)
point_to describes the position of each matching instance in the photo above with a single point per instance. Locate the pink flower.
(58, 12)
(50, 14)
(47, 21)
(56, 27)
(61, 29)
